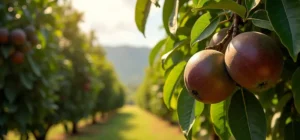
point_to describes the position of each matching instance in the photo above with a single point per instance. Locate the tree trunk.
(94, 119)
(43, 137)
(102, 116)
(75, 129)
(23, 137)
(66, 128)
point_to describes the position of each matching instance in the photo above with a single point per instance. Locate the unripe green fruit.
(254, 61)
(206, 78)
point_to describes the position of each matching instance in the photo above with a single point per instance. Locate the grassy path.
(131, 123)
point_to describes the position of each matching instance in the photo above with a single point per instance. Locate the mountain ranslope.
(129, 63)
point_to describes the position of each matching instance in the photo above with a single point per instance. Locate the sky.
(113, 21)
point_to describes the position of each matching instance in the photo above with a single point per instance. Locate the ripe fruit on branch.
(3, 35)
(31, 35)
(17, 57)
(86, 86)
(29, 30)
(218, 37)
(254, 61)
(18, 37)
(206, 78)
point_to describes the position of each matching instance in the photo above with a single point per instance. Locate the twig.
(227, 20)
(222, 44)
(236, 22)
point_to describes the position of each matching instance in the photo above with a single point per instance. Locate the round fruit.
(18, 37)
(34, 40)
(26, 48)
(29, 30)
(254, 61)
(218, 37)
(17, 58)
(206, 78)
(3, 35)
(86, 86)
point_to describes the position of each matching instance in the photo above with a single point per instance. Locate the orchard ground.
(129, 123)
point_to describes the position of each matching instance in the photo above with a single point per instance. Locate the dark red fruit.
(17, 57)
(30, 30)
(86, 87)
(254, 61)
(206, 78)
(18, 37)
(26, 48)
(3, 35)
(34, 40)
(218, 37)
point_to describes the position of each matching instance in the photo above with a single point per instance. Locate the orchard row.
(51, 72)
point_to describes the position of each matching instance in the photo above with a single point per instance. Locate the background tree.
(46, 74)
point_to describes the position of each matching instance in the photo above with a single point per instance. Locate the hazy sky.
(113, 21)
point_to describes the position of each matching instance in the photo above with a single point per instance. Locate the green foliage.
(142, 9)
(244, 115)
(56, 81)
(287, 10)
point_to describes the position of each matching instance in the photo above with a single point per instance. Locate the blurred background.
(74, 69)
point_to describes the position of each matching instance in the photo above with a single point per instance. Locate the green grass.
(129, 123)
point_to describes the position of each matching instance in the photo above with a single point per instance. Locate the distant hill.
(129, 63)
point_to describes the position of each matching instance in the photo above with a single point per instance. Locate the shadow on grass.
(111, 130)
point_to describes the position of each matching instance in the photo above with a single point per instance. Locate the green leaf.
(260, 19)
(3, 119)
(186, 111)
(26, 81)
(204, 27)
(280, 123)
(219, 117)
(3, 73)
(35, 68)
(291, 131)
(199, 107)
(170, 15)
(171, 82)
(197, 126)
(173, 24)
(167, 12)
(6, 51)
(155, 51)
(283, 101)
(10, 93)
(224, 4)
(296, 88)
(284, 16)
(168, 55)
(246, 117)
(199, 3)
(251, 4)
(142, 9)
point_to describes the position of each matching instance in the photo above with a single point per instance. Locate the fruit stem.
(221, 46)
(236, 22)
(227, 20)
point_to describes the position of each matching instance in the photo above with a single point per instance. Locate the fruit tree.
(47, 74)
(229, 66)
